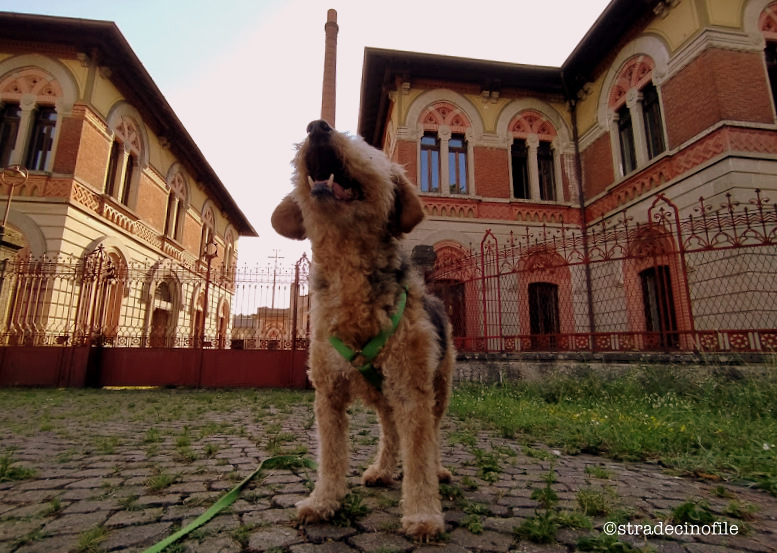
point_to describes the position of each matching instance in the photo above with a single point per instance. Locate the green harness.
(362, 359)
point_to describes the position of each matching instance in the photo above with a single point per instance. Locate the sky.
(245, 76)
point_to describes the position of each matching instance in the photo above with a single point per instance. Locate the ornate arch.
(648, 46)
(178, 182)
(636, 72)
(444, 113)
(756, 17)
(542, 112)
(444, 96)
(33, 236)
(530, 121)
(31, 80)
(767, 22)
(207, 215)
(127, 124)
(46, 78)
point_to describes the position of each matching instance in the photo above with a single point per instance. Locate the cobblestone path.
(119, 471)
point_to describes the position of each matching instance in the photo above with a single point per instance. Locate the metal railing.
(705, 282)
(102, 300)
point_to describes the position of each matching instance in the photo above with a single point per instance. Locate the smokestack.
(328, 94)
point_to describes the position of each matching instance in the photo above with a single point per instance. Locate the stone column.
(634, 103)
(27, 106)
(532, 143)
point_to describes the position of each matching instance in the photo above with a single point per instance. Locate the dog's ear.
(408, 210)
(287, 219)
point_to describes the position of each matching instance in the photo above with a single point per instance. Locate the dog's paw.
(312, 510)
(423, 527)
(444, 475)
(375, 477)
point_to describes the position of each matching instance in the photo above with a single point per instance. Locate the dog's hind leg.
(442, 392)
(330, 408)
(381, 471)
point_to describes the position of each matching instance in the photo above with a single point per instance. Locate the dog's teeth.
(310, 181)
(331, 181)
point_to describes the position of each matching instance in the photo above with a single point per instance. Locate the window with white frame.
(27, 135)
(430, 163)
(637, 127)
(534, 158)
(176, 207)
(123, 165)
(444, 151)
(29, 114)
(457, 164)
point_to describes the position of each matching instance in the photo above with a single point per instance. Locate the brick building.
(116, 187)
(665, 111)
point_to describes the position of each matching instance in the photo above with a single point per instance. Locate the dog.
(354, 205)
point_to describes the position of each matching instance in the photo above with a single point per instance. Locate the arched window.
(535, 158)
(208, 230)
(176, 207)
(767, 24)
(444, 151)
(636, 128)
(28, 118)
(124, 163)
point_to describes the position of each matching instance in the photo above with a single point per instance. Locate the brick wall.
(718, 85)
(492, 174)
(151, 206)
(82, 149)
(597, 165)
(405, 155)
(67, 145)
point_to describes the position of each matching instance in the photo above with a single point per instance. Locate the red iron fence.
(103, 300)
(704, 282)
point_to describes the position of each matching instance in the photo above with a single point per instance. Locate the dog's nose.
(319, 126)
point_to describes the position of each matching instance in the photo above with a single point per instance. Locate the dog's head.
(342, 182)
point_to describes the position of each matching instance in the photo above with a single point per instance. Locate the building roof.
(104, 43)
(382, 67)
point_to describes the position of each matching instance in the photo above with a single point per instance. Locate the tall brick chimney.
(328, 94)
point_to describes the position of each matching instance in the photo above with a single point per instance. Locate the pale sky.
(244, 76)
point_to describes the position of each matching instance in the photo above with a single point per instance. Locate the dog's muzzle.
(327, 176)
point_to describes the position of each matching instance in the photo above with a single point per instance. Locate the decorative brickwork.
(667, 168)
(529, 122)
(444, 113)
(31, 80)
(635, 73)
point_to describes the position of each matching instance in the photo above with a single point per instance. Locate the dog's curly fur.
(354, 221)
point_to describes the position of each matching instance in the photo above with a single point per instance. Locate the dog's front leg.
(330, 408)
(421, 507)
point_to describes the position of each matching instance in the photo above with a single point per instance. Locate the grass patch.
(351, 508)
(90, 540)
(11, 472)
(715, 424)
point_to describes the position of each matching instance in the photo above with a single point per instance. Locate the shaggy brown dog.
(354, 204)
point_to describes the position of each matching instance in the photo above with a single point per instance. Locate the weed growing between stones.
(10, 471)
(90, 540)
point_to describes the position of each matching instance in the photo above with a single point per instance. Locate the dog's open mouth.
(331, 188)
(327, 175)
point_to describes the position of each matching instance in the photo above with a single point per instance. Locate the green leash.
(281, 461)
(372, 348)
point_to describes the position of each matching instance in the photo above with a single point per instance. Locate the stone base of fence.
(489, 368)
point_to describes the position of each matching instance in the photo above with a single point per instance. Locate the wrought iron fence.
(704, 282)
(103, 300)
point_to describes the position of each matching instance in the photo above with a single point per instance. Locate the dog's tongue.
(337, 190)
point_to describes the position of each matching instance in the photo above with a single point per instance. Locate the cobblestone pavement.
(119, 471)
